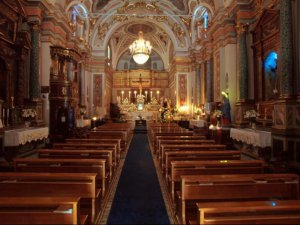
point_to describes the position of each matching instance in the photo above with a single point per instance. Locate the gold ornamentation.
(242, 28)
(186, 21)
(103, 28)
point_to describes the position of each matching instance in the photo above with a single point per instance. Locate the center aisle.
(138, 198)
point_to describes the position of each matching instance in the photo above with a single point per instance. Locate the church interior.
(149, 112)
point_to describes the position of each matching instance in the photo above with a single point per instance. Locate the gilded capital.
(242, 28)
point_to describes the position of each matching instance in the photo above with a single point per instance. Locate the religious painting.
(97, 90)
(182, 88)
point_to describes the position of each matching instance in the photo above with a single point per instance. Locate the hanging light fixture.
(140, 49)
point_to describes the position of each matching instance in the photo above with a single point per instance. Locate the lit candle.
(146, 92)
(150, 94)
(134, 94)
(157, 94)
(122, 92)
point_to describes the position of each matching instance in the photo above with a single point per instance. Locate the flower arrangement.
(28, 113)
(174, 110)
(217, 113)
(251, 114)
(198, 111)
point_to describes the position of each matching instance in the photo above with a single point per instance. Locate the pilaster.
(243, 103)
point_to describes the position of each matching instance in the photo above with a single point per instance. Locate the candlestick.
(146, 93)
(157, 94)
(134, 94)
(122, 92)
(150, 94)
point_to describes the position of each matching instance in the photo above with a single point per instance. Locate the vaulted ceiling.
(167, 24)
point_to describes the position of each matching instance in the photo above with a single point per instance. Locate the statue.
(225, 108)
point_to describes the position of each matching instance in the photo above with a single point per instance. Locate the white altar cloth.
(197, 123)
(25, 135)
(254, 137)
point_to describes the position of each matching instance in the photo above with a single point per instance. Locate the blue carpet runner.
(138, 198)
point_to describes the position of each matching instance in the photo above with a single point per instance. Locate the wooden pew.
(249, 212)
(81, 154)
(205, 188)
(197, 156)
(203, 147)
(154, 135)
(96, 140)
(90, 146)
(182, 142)
(82, 185)
(181, 168)
(110, 135)
(160, 138)
(42, 165)
(41, 210)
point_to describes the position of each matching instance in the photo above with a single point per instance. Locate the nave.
(114, 176)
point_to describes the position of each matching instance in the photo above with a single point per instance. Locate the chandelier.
(140, 49)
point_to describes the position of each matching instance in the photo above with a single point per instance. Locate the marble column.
(209, 80)
(286, 50)
(34, 88)
(243, 63)
(286, 121)
(198, 84)
(243, 104)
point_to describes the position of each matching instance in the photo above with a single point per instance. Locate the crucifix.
(140, 85)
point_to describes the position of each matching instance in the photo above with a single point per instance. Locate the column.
(34, 88)
(243, 63)
(286, 49)
(209, 80)
(198, 84)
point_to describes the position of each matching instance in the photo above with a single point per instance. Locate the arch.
(168, 12)
(86, 26)
(194, 18)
